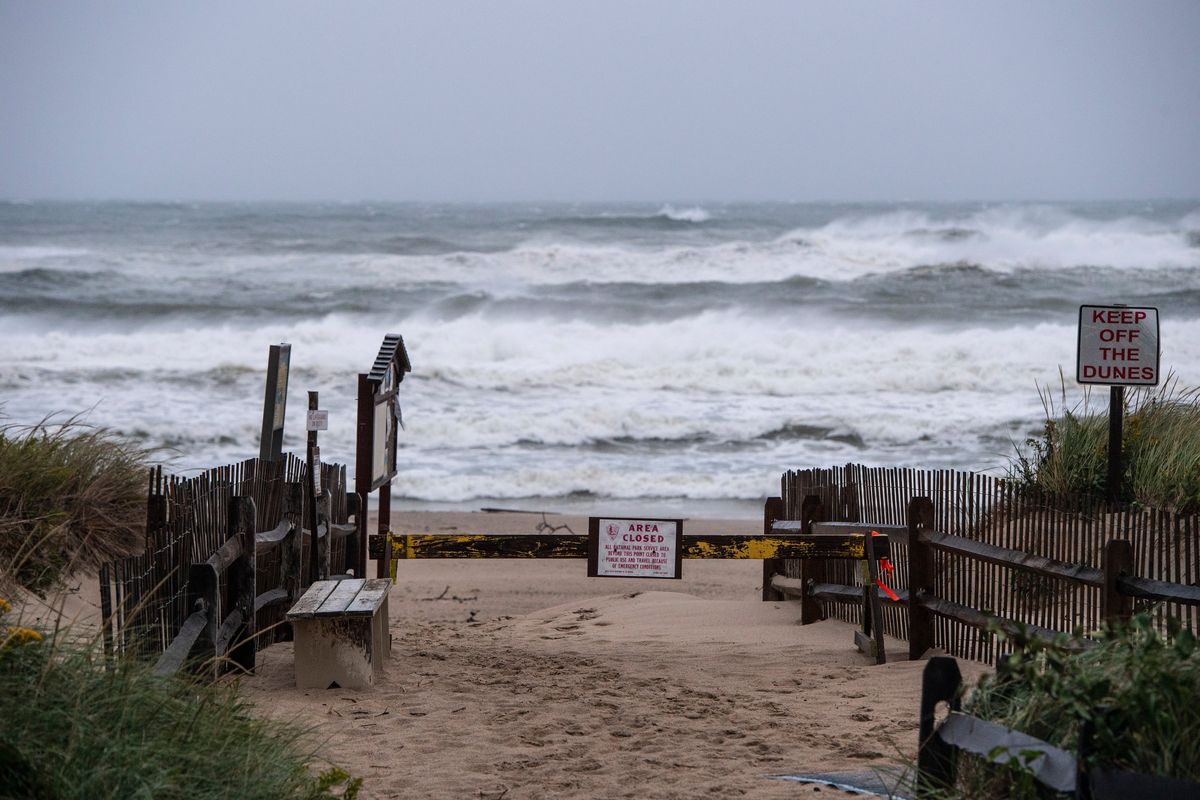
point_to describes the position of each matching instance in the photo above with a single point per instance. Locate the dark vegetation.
(74, 725)
(1160, 447)
(71, 497)
(77, 728)
(1138, 686)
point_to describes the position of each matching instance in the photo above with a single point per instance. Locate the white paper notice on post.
(637, 548)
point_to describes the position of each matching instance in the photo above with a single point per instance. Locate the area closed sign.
(1118, 346)
(634, 548)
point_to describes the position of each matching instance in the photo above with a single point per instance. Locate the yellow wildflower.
(5, 606)
(19, 635)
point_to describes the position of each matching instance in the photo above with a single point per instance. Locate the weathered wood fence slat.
(1012, 553)
(224, 552)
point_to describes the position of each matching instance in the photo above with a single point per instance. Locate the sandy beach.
(526, 679)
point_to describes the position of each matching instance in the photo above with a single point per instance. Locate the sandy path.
(527, 679)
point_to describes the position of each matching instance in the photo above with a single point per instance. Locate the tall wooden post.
(311, 491)
(1116, 607)
(292, 552)
(772, 510)
(1116, 425)
(920, 577)
(811, 571)
(940, 682)
(362, 467)
(385, 524)
(242, 586)
(872, 607)
(275, 402)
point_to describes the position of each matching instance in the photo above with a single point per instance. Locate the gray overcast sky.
(603, 100)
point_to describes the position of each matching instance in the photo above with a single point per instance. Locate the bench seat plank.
(307, 605)
(344, 592)
(370, 597)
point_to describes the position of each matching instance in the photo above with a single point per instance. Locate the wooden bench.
(341, 633)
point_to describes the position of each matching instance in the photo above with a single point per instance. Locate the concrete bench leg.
(346, 651)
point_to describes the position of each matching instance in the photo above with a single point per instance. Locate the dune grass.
(71, 497)
(72, 727)
(1138, 686)
(1160, 447)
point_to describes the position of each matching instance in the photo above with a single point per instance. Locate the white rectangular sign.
(1118, 346)
(634, 548)
(318, 420)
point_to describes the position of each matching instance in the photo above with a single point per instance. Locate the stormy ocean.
(672, 358)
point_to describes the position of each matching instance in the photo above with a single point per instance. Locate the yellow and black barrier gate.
(653, 548)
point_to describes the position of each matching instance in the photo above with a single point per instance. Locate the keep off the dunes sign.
(634, 548)
(1118, 346)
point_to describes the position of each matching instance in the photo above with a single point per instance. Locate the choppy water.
(615, 352)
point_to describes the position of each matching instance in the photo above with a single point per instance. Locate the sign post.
(375, 446)
(1118, 347)
(275, 402)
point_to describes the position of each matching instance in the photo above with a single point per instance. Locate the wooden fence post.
(291, 559)
(811, 571)
(772, 510)
(920, 577)
(940, 682)
(1115, 607)
(242, 585)
(872, 608)
(204, 594)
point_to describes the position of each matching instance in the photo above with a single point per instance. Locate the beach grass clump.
(1138, 686)
(1160, 447)
(73, 727)
(72, 496)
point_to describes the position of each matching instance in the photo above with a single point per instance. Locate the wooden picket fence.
(1015, 528)
(189, 591)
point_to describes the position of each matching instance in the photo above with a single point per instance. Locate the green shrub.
(71, 497)
(1145, 685)
(72, 728)
(1160, 447)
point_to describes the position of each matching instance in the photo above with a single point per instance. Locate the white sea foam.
(655, 389)
(692, 214)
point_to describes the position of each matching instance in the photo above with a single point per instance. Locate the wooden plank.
(980, 621)
(841, 593)
(181, 646)
(369, 598)
(838, 546)
(1051, 766)
(489, 545)
(308, 604)
(341, 596)
(228, 628)
(1159, 590)
(225, 555)
(791, 588)
(340, 530)
(1015, 559)
(900, 532)
(266, 541)
(717, 546)
(271, 597)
